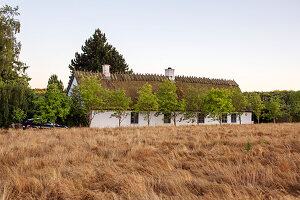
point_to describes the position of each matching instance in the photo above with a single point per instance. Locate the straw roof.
(132, 82)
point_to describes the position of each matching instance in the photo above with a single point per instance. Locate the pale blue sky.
(254, 42)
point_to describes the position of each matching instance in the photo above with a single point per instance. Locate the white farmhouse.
(132, 82)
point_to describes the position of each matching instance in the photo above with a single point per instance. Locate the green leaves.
(119, 103)
(97, 52)
(11, 69)
(19, 115)
(218, 102)
(168, 101)
(52, 105)
(93, 96)
(273, 109)
(147, 101)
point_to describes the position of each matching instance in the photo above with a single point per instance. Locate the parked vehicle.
(31, 123)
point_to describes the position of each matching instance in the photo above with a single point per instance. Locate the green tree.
(97, 52)
(94, 97)
(11, 69)
(19, 115)
(218, 102)
(54, 80)
(194, 103)
(14, 95)
(239, 102)
(168, 102)
(52, 105)
(273, 109)
(120, 104)
(78, 115)
(295, 105)
(146, 102)
(256, 104)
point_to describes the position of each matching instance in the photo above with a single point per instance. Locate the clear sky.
(254, 42)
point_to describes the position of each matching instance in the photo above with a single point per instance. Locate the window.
(224, 118)
(134, 118)
(201, 118)
(233, 118)
(167, 118)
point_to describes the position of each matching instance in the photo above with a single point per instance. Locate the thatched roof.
(132, 82)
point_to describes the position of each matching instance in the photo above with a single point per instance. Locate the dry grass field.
(189, 162)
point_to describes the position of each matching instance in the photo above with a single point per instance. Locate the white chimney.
(106, 72)
(170, 74)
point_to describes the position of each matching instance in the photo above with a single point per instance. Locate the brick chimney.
(105, 71)
(170, 74)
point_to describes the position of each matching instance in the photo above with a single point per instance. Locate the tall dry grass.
(191, 162)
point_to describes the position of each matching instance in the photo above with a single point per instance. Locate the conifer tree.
(97, 52)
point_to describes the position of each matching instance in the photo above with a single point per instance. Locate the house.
(132, 82)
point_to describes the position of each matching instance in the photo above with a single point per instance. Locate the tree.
(218, 102)
(19, 115)
(239, 102)
(94, 97)
(120, 104)
(11, 69)
(13, 96)
(52, 105)
(78, 115)
(194, 103)
(97, 52)
(54, 80)
(273, 109)
(146, 102)
(256, 104)
(295, 105)
(168, 102)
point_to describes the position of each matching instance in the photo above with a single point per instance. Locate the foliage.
(94, 97)
(168, 101)
(11, 69)
(195, 103)
(19, 115)
(256, 104)
(146, 102)
(78, 112)
(97, 52)
(273, 109)
(13, 96)
(239, 102)
(119, 103)
(218, 102)
(54, 80)
(52, 105)
(249, 146)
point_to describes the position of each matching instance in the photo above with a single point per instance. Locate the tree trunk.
(240, 119)
(54, 124)
(258, 120)
(174, 119)
(119, 122)
(274, 120)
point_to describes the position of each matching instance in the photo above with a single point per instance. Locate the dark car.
(31, 123)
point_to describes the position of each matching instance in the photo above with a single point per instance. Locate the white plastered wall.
(104, 119)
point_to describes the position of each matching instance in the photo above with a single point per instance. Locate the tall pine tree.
(97, 52)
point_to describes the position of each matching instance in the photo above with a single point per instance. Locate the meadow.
(188, 162)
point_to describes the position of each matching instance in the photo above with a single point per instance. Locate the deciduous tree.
(273, 109)
(119, 103)
(94, 97)
(168, 101)
(218, 102)
(239, 102)
(256, 104)
(146, 102)
(54, 80)
(11, 69)
(52, 105)
(194, 103)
